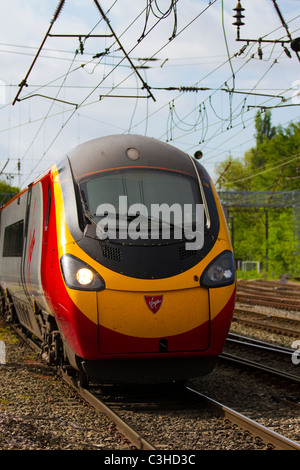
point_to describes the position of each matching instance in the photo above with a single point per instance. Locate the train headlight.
(220, 272)
(79, 275)
(84, 276)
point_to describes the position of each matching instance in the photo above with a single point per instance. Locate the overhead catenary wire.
(242, 105)
(86, 98)
(67, 119)
(24, 81)
(284, 24)
(148, 59)
(148, 116)
(291, 159)
(224, 63)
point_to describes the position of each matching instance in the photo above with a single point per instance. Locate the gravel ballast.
(39, 412)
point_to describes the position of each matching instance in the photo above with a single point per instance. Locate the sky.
(171, 70)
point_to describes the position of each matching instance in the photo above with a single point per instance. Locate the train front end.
(147, 270)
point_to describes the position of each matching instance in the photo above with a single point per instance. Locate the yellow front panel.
(127, 312)
(86, 302)
(219, 297)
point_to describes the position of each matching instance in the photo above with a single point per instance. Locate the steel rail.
(26, 339)
(281, 296)
(267, 316)
(251, 342)
(252, 299)
(267, 435)
(270, 291)
(131, 434)
(268, 326)
(259, 344)
(123, 427)
(257, 366)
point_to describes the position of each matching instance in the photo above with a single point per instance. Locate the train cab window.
(13, 240)
(146, 187)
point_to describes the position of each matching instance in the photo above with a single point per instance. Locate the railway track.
(283, 356)
(268, 436)
(275, 287)
(282, 285)
(255, 299)
(275, 440)
(269, 294)
(272, 322)
(140, 438)
(129, 432)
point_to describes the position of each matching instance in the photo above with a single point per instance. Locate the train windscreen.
(163, 197)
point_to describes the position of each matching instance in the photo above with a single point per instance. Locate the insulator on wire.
(187, 88)
(287, 52)
(238, 15)
(243, 49)
(81, 46)
(58, 10)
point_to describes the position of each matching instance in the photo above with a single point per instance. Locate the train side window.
(13, 239)
(48, 208)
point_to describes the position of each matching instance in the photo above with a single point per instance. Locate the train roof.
(125, 151)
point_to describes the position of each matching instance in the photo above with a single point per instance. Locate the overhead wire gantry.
(80, 36)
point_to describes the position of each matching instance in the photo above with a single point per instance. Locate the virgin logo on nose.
(154, 302)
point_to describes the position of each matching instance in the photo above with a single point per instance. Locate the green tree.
(272, 165)
(281, 243)
(6, 188)
(232, 174)
(263, 127)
